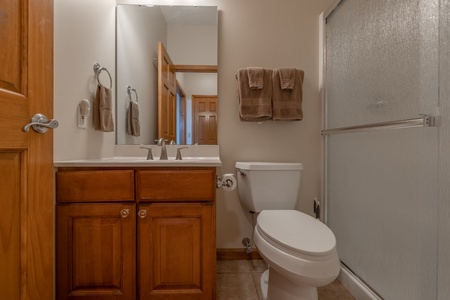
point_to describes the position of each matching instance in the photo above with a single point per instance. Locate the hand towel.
(255, 78)
(103, 118)
(133, 123)
(287, 103)
(254, 104)
(287, 78)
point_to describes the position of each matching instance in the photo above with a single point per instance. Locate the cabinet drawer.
(95, 186)
(176, 185)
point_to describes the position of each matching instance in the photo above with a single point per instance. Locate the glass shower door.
(382, 187)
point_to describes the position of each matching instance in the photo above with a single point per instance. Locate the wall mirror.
(189, 37)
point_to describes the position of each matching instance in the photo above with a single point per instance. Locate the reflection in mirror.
(189, 34)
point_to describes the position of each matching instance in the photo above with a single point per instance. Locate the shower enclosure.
(387, 143)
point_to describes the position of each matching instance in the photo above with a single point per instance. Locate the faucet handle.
(161, 141)
(149, 154)
(178, 157)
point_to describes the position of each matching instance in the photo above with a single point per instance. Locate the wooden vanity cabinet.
(96, 251)
(138, 233)
(176, 234)
(95, 235)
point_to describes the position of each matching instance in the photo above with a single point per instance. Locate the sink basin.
(119, 161)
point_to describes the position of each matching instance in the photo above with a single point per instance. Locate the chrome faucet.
(162, 143)
(149, 153)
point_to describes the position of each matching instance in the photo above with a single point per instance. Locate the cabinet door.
(95, 245)
(176, 251)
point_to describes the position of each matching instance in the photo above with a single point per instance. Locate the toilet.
(299, 249)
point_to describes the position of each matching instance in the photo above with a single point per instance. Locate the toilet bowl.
(299, 249)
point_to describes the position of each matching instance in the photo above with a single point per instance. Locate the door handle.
(40, 124)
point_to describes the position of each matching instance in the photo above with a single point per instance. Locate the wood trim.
(237, 254)
(196, 68)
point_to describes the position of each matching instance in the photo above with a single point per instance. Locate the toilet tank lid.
(268, 166)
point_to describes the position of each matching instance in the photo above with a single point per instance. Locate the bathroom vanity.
(131, 231)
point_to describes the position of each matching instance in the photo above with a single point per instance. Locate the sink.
(135, 156)
(121, 161)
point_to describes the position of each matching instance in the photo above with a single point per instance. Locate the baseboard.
(355, 286)
(237, 254)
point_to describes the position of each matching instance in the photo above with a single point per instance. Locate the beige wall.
(263, 33)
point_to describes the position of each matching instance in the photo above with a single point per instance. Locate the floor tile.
(239, 280)
(257, 265)
(236, 286)
(233, 266)
(334, 291)
(256, 281)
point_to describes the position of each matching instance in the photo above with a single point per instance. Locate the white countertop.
(134, 156)
(141, 162)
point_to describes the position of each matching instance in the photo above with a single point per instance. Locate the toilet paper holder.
(220, 182)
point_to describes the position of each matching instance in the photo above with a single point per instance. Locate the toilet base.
(276, 287)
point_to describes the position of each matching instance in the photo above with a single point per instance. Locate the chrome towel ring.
(98, 69)
(129, 91)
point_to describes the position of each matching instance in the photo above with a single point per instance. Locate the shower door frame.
(348, 278)
(322, 87)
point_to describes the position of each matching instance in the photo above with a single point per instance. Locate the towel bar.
(129, 91)
(98, 69)
(424, 121)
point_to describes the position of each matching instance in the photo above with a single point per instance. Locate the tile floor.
(239, 280)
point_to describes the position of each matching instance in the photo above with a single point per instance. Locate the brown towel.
(133, 124)
(287, 78)
(287, 104)
(254, 104)
(255, 78)
(103, 118)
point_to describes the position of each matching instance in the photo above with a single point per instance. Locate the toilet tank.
(268, 185)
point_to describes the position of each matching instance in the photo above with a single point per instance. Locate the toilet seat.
(296, 233)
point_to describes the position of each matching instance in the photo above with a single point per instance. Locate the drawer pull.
(142, 213)
(124, 212)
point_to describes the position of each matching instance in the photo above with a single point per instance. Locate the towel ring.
(98, 69)
(129, 91)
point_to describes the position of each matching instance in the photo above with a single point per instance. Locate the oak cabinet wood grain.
(160, 244)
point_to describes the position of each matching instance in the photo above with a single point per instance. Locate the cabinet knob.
(142, 213)
(124, 212)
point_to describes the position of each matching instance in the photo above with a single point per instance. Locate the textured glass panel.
(382, 59)
(383, 187)
(382, 207)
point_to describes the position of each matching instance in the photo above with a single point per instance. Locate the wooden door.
(204, 120)
(96, 251)
(176, 250)
(167, 95)
(26, 159)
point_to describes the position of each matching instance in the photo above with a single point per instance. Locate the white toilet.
(300, 250)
